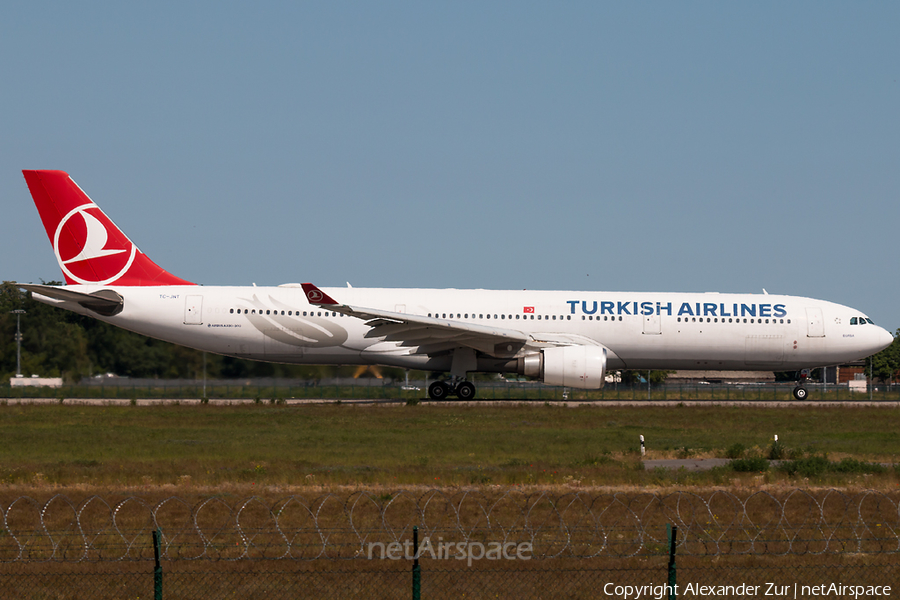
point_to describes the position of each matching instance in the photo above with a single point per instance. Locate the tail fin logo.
(90, 248)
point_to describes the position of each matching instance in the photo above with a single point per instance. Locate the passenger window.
(554, 317)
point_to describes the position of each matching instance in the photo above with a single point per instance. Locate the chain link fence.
(283, 391)
(836, 577)
(472, 544)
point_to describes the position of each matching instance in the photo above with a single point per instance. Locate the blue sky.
(589, 146)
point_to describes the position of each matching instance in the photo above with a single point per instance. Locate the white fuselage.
(640, 330)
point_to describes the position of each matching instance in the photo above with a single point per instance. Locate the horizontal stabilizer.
(105, 302)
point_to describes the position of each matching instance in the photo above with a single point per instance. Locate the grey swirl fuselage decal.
(295, 330)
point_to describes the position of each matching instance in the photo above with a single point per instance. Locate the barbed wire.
(347, 526)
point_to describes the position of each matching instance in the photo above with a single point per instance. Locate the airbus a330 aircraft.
(558, 337)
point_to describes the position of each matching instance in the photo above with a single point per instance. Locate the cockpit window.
(870, 321)
(853, 320)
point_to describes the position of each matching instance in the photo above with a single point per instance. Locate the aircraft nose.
(885, 338)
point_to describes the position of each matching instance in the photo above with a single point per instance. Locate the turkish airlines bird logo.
(90, 248)
(314, 296)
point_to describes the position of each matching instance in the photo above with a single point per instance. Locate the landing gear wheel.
(800, 393)
(465, 391)
(438, 390)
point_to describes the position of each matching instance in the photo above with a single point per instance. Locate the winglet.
(317, 296)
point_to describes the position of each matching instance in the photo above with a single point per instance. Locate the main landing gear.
(439, 390)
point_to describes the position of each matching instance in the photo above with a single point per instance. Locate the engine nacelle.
(570, 366)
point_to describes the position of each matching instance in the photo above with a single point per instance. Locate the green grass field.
(252, 446)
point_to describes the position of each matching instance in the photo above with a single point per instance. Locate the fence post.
(416, 570)
(157, 569)
(672, 533)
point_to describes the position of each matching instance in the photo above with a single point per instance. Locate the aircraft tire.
(438, 390)
(800, 393)
(465, 391)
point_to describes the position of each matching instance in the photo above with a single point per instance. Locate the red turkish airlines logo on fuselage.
(89, 247)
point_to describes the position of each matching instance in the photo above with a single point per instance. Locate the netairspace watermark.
(441, 550)
(776, 590)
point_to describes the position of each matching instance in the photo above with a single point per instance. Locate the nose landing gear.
(800, 392)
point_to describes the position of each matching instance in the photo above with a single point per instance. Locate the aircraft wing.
(429, 335)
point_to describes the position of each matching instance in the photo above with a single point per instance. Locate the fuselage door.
(652, 325)
(814, 322)
(193, 310)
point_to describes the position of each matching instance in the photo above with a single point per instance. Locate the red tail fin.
(89, 247)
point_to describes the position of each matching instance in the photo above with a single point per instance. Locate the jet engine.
(571, 366)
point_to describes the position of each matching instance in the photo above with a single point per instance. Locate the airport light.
(18, 312)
